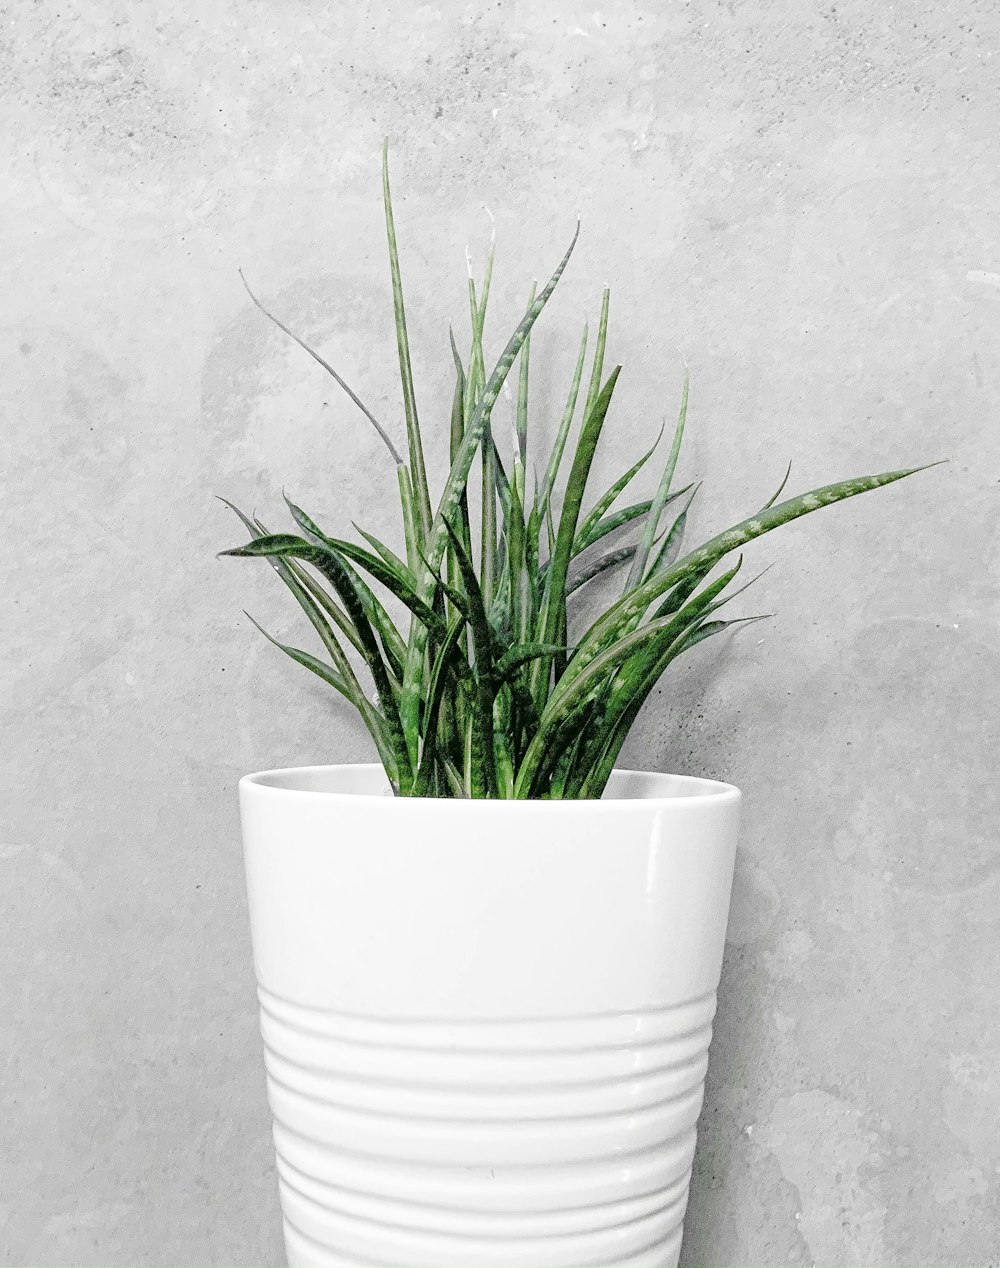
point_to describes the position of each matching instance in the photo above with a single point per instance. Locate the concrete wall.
(798, 198)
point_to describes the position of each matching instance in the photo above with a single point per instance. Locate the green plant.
(486, 695)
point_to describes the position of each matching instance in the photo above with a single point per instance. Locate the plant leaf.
(396, 577)
(521, 654)
(485, 782)
(455, 485)
(631, 606)
(435, 693)
(671, 546)
(594, 568)
(418, 471)
(609, 498)
(386, 439)
(327, 561)
(329, 676)
(597, 369)
(566, 533)
(638, 568)
(778, 491)
(555, 458)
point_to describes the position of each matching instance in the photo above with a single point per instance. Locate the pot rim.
(687, 790)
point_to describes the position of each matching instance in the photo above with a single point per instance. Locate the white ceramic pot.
(486, 1023)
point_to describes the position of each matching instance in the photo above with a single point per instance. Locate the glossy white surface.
(486, 1024)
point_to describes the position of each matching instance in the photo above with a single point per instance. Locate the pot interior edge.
(368, 780)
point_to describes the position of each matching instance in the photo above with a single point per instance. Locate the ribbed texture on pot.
(541, 1143)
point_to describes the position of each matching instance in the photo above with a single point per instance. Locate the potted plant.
(487, 964)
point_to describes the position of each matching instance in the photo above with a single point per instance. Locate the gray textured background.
(798, 198)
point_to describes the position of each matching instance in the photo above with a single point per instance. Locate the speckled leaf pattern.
(483, 694)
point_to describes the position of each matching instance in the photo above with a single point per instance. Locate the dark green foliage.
(483, 695)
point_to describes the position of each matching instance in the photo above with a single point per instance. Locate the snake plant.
(486, 693)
